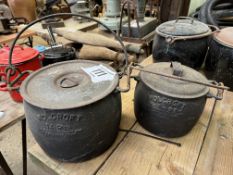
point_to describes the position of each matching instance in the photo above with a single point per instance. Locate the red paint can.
(24, 59)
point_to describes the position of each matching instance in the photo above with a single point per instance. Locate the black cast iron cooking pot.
(169, 107)
(58, 54)
(73, 115)
(184, 40)
(219, 62)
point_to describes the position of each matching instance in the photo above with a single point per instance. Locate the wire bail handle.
(11, 69)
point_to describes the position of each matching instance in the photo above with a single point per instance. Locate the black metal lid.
(59, 52)
(183, 27)
(172, 87)
(69, 84)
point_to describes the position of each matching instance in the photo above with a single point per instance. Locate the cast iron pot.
(219, 62)
(58, 54)
(74, 107)
(184, 40)
(169, 107)
(73, 115)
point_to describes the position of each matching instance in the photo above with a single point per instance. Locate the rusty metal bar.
(182, 79)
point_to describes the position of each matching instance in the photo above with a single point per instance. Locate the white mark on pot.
(2, 114)
(99, 73)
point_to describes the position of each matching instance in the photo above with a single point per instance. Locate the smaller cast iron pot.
(184, 40)
(219, 62)
(169, 107)
(58, 54)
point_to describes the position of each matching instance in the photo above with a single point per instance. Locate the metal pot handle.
(177, 69)
(11, 67)
(215, 28)
(3, 84)
(219, 95)
(212, 84)
(171, 39)
(185, 17)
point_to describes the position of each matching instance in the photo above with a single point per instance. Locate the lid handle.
(69, 82)
(184, 17)
(177, 69)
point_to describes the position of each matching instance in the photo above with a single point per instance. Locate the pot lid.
(172, 87)
(20, 54)
(58, 52)
(183, 27)
(225, 36)
(69, 84)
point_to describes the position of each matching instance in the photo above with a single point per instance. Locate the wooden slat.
(147, 156)
(127, 119)
(11, 37)
(70, 25)
(216, 157)
(13, 112)
(85, 168)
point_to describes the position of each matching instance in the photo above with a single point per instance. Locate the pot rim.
(174, 87)
(28, 99)
(24, 62)
(221, 43)
(224, 37)
(70, 51)
(183, 38)
(204, 94)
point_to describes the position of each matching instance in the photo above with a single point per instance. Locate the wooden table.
(8, 38)
(12, 113)
(203, 152)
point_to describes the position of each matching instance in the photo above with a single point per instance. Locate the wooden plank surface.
(85, 168)
(127, 119)
(11, 37)
(146, 156)
(216, 157)
(70, 25)
(138, 155)
(12, 111)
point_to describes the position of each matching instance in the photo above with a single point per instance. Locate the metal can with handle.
(24, 59)
(184, 40)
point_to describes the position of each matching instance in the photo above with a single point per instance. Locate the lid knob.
(177, 69)
(69, 82)
(183, 18)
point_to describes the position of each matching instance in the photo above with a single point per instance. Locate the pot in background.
(184, 40)
(24, 59)
(57, 54)
(219, 62)
(169, 107)
(73, 108)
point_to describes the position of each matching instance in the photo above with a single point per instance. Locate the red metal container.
(23, 59)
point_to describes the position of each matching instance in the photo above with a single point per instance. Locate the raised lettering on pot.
(50, 129)
(59, 117)
(167, 105)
